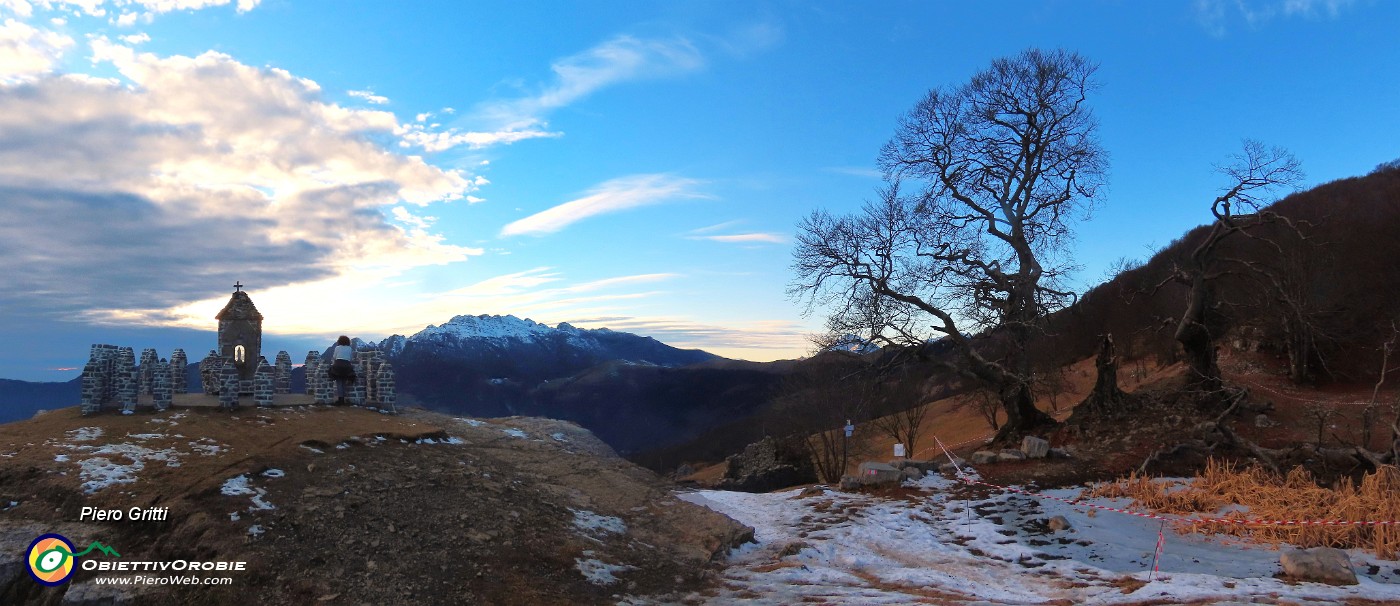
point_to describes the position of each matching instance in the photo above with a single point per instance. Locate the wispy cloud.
(764, 339)
(611, 196)
(506, 121)
(856, 171)
(749, 238)
(620, 59)
(1215, 15)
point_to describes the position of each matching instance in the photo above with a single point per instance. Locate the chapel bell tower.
(240, 333)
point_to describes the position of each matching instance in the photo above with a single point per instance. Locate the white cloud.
(27, 52)
(611, 196)
(190, 167)
(749, 238)
(369, 96)
(136, 39)
(19, 8)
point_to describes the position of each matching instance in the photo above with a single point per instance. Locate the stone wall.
(99, 378)
(282, 373)
(178, 362)
(385, 387)
(127, 380)
(263, 383)
(161, 384)
(147, 370)
(229, 385)
(312, 366)
(211, 373)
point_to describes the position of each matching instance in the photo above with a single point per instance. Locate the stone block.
(983, 457)
(1322, 565)
(874, 472)
(1008, 455)
(1034, 448)
(1058, 523)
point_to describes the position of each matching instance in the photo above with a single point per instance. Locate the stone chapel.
(240, 333)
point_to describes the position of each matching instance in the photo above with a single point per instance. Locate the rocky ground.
(347, 506)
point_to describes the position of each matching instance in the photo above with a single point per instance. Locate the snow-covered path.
(930, 548)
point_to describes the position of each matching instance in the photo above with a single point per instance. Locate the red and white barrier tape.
(1175, 519)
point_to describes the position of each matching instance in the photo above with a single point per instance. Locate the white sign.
(899, 450)
(849, 428)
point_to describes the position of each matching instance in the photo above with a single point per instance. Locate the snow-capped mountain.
(853, 344)
(490, 365)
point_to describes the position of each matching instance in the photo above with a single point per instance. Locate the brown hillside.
(347, 506)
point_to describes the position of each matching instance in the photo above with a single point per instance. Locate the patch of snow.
(239, 486)
(599, 572)
(453, 440)
(514, 433)
(498, 381)
(274, 473)
(84, 434)
(259, 504)
(314, 450)
(233, 516)
(63, 458)
(342, 446)
(235, 486)
(206, 447)
(596, 524)
(870, 550)
(99, 472)
(145, 436)
(559, 436)
(255, 530)
(472, 422)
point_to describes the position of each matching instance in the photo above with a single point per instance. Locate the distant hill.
(21, 399)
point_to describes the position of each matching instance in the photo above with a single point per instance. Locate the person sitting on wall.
(342, 370)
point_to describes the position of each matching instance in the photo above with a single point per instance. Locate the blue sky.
(371, 168)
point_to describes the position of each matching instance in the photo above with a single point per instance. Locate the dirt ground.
(1293, 415)
(341, 505)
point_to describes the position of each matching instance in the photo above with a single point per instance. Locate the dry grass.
(1295, 496)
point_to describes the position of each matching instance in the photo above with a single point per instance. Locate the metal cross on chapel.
(237, 285)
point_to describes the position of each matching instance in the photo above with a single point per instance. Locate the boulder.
(1010, 455)
(873, 472)
(982, 457)
(929, 466)
(850, 483)
(1322, 565)
(1058, 453)
(951, 468)
(1263, 421)
(1058, 523)
(768, 465)
(1034, 448)
(912, 472)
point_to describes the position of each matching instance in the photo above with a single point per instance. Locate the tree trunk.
(1106, 398)
(1021, 414)
(1198, 345)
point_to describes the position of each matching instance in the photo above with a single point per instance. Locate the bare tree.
(816, 401)
(899, 403)
(1252, 173)
(1005, 162)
